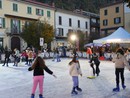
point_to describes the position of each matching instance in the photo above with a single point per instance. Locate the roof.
(119, 36)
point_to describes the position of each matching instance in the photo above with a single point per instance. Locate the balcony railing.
(13, 31)
(94, 24)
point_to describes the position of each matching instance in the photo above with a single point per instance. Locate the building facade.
(127, 17)
(113, 16)
(14, 14)
(68, 21)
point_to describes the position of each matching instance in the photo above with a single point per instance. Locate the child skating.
(91, 71)
(96, 62)
(39, 66)
(120, 63)
(75, 71)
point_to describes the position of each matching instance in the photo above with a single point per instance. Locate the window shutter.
(11, 24)
(3, 22)
(19, 26)
(0, 4)
(36, 11)
(42, 12)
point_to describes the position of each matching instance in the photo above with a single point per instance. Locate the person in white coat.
(75, 71)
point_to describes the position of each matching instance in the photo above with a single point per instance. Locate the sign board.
(41, 41)
(45, 45)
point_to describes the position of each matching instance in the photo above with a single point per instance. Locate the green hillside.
(87, 5)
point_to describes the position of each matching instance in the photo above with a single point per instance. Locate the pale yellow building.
(111, 18)
(14, 14)
(127, 18)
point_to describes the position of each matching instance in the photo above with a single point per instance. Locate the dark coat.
(7, 54)
(95, 59)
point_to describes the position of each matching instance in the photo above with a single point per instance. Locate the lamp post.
(73, 38)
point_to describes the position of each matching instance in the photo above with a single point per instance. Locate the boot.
(73, 91)
(117, 89)
(79, 89)
(123, 86)
(32, 96)
(40, 96)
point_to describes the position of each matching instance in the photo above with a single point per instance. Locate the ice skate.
(79, 89)
(123, 86)
(74, 92)
(40, 96)
(117, 89)
(32, 96)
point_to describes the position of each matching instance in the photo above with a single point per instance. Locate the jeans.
(75, 81)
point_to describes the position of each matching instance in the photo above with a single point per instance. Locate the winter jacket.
(120, 61)
(89, 51)
(75, 69)
(39, 69)
(95, 59)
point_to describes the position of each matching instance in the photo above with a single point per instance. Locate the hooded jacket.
(75, 69)
(120, 61)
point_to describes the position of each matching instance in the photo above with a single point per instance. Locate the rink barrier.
(48, 55)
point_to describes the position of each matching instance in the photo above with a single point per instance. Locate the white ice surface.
(16, 82)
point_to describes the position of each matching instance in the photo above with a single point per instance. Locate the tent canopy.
(96, 45)
(119, 36)
(93, 44)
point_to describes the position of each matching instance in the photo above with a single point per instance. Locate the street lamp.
(73, 38)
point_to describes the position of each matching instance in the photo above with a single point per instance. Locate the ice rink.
(16, 82)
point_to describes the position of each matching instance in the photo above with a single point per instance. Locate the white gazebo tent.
(119, 36)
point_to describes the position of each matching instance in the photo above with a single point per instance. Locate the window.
(70, 30)
(15, 7)
(39, 12)
(15, 26)
(117, 20)
(86, 25)
(105, 22)
(27, 23)
(48, 14)
(29, 10)
(61, 32)
(0, 3)
(78, 23)
(87, 34)
(93, 20)
(105, 12)
(93, 29)
(70, 22)
(60, 20)
(1, 43)
(2, 22)
(117, 9)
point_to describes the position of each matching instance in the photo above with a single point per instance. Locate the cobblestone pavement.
(16, 82)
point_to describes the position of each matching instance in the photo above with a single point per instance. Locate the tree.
(36, 29)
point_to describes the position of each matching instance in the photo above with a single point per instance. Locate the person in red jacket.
(89, 52)
(39, 66)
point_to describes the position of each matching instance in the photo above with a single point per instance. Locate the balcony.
(12, 31)
(94, 24)
(59, 36)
